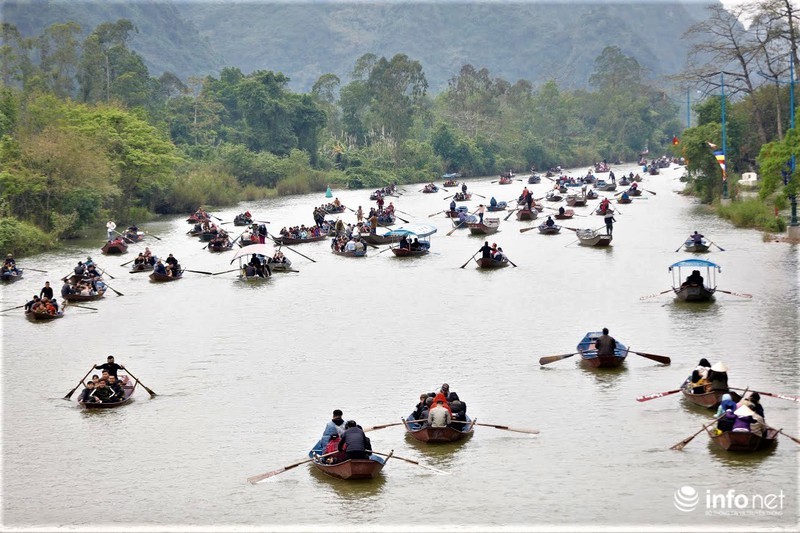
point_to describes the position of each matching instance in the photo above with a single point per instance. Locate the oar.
(237, 238)
(687, 440)
(224, 272)
(436, 213)
(512, 262)
(506, 428)
(742, 295)
(511, 213)
(12, 308)
(780, 431)
(651, 192)
(154, 236)
(446, 197)
(373, 428)
(553, 358)
(401, 218)
(209, 214)
(781, 396)
(81, 306)
(352, 210)
(293, 250)
(470, 259)
(115, 290)
(454, 228)
(721, 249)
(128, 262)
(104, 272)
(124, 237)
(409, 214)
(413, 462)
(681, 246)
(151, 393)
(648, 397)
(35, 270)
(482, 196)
(262, 477)
(663, 359)
(523, 230)
(70, 393)
(654, 295)
(384, 250)
(198, 272)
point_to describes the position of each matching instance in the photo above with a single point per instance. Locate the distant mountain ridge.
(520, 40)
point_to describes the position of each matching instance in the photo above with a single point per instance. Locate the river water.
(248, 374)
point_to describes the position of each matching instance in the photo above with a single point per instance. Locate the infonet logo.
(686, 499)
(729, 503)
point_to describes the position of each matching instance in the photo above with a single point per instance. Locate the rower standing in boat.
(110, 366)
(486, 250)
(605, 344)
(453, 205)
(481, 211)
(360, 215)
(464, 188)
(609, 220)
(110, 229)
(47, 291)
(561, 210)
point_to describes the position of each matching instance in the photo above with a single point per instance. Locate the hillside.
(533, 41)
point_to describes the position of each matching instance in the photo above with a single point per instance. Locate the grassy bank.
(752, 213)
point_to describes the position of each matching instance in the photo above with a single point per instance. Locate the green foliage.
(22, 238)
(203, 185)
(752, 213)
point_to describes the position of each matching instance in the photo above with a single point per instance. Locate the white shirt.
(111, 225)
(438, 417)
(350, 246)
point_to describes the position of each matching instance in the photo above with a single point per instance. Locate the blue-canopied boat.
(695, 288)
(589, 355)
(419, 232)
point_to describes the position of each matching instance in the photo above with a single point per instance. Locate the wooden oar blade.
(553, 358)
(663, 359)
(648, 397)
(780, 431)
(506, 428)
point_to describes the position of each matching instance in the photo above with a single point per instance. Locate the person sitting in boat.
(420, 407)
(335, 426)
(550, 222)
(404, 244)
(354, 443)
(605, 344)
(499, 255)
(745, 420)
(697, 238)
(561, 210)
(103, 393)
(159, 268)
(718, 377)
(754, 403)
(350, 246)
(332, 448)
(115, 386)
(697, 383)
(703, 366)
(439, 416)
(693, 279)
(494, 250)
(459, 417)
(30, 304)
(624, 195)
(493, 202)
(87, 394)
(634, 185)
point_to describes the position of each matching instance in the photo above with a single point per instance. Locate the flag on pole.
(720, 157)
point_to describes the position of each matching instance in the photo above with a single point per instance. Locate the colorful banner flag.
(720, 155)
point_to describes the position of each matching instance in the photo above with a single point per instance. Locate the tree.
(59, 57)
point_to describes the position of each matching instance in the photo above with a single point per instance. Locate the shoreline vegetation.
(87, 134)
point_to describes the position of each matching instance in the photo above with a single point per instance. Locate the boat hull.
(745, 441)
(592, 238)
(116, 248)
(526, 214)
(486, 228)
(158, 277)
(544, 229)
(586, 348)
(709, 400)
(405, 252)
(84, 297)
(128, 393)
(42, 317)
(693, 293)
(352, 469)
(431, 435)
(488, 262)
(288, 240)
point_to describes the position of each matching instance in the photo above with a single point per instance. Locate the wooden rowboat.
(220, 247)
(488, 262)
(549, 230)
(501, 206)
(289, 240)
(141, 267)
(694, 293)
(573, 200)
(159, 277)
(114, 247)
(450, 183)
(462, 196)
(355, 253)
(568, 214)
(534, 179)
(505, 181)
(350, 468)
(622, 200)
(527, 214)
(489, 226)
(691, 246)
(745, 441)
(11, 277)
(431, 435)
(588, 351)
(405, 252)
(553, 196)
(85, 297)
(127, 393)
(590, 237)
(38, 316)
(709, 400)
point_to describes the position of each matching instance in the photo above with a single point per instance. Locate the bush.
(752, 213)
(203, 186)
(22, 238)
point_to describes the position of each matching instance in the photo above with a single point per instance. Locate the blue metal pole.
(724, 141)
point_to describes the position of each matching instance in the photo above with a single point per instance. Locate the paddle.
(742, 295)
(681, 246)
(81, 306)
(413, 462)
(648, 397)
(287, 247)
(654, 295)
(237, 238)
(523, 230)
(721, 249)
(151, 393)
(512, 262)
(409, 214)
(436, 213)
(446, 197)
(225, 272)
(35, 270)
(482, 196)
(198, 272)
(511, 213)
(124, 237)
(115, 290)
(209, 214)
(12, 308)
(261, 477)
(454, 228)
(128, 262)
(373, 428)
(506, 428)
(651, 192)
(401, 218)
(687, 440)
(663, 359)
(70, 393)
(154, 236)
(470, 259)
(104, 272)
(384, 250)
(553, 358)
(780, 432)
(781, 396)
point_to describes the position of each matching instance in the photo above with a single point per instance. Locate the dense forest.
(86, 131)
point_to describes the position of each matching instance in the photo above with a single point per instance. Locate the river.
(247, 375)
